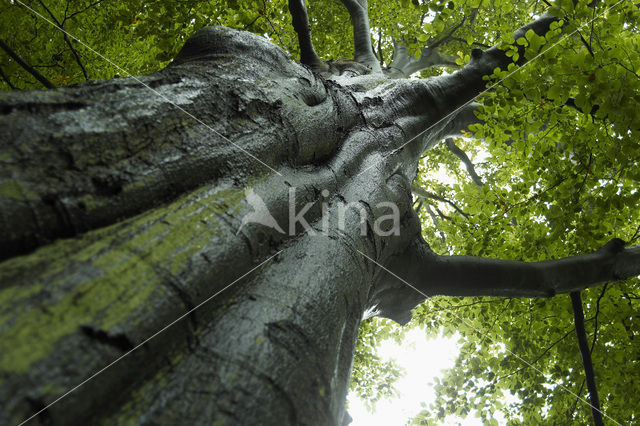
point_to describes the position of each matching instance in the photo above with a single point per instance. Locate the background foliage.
(558, 155)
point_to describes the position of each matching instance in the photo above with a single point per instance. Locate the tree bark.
(154, 200)
(122, 205)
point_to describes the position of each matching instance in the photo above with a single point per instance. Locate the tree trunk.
(153, 195)
(133, 291)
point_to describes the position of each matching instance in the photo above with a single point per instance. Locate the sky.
(423, 359)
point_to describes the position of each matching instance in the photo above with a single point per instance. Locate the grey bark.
(363, 51)
(121, 213)
(404, 65)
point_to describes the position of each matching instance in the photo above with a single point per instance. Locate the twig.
(83, 10)
(538, 357)
(42, 79)
(6, 79)
(635, 235)
(66, 39)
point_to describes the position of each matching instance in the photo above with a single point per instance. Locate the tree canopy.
(555, 157)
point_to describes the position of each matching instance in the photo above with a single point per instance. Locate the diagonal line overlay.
(498, 82)
(479, 332)
(181, 317)
(150, 88)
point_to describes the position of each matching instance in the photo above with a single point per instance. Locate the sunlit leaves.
(560, 166)
(558, 154)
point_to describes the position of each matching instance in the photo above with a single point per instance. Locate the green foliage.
(372, 378)
(557, 180)
(135, 37)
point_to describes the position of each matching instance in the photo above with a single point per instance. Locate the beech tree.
(134, 292)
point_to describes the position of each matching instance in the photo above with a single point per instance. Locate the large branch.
(478, 276)
(308, 55)
(363, 52)
(433, 102)
(428, 110)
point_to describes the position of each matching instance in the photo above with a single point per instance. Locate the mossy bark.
(122, 212)
(123, 242)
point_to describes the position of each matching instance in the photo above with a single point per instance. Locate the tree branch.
(453, 126)
(67, 40)
(363, 52)
(455, 150)
(308, 55)
(436, 222)
(445, 39)
(6, 79)
(426, 194)
(381, 57)
(404, 65)
(42, 79)
(578, 316)
(91, 5)
(477, 276)
(424, 108)
(536, 359)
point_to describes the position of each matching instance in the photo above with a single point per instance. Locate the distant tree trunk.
(121, 212)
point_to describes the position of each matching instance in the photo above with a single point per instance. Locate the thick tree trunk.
(153, 196)
(122, 206)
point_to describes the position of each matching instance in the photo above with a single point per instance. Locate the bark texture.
(153, 198)
(122, 205)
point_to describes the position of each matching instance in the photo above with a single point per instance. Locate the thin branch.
(426, 194)
(445, 39)
(571, 102)
(252, 22)
(83, 10)
(442, 215)
(42, 79)
(635, 235)
(543, 353)
(587, 45)
(578, 398)
(66, 39)
(585, 353)
(265, 7)
(477, 302)
(595, 326)
(455, 150)
(6, 79)
(380, 48)
(475, 43)
(436, 222)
